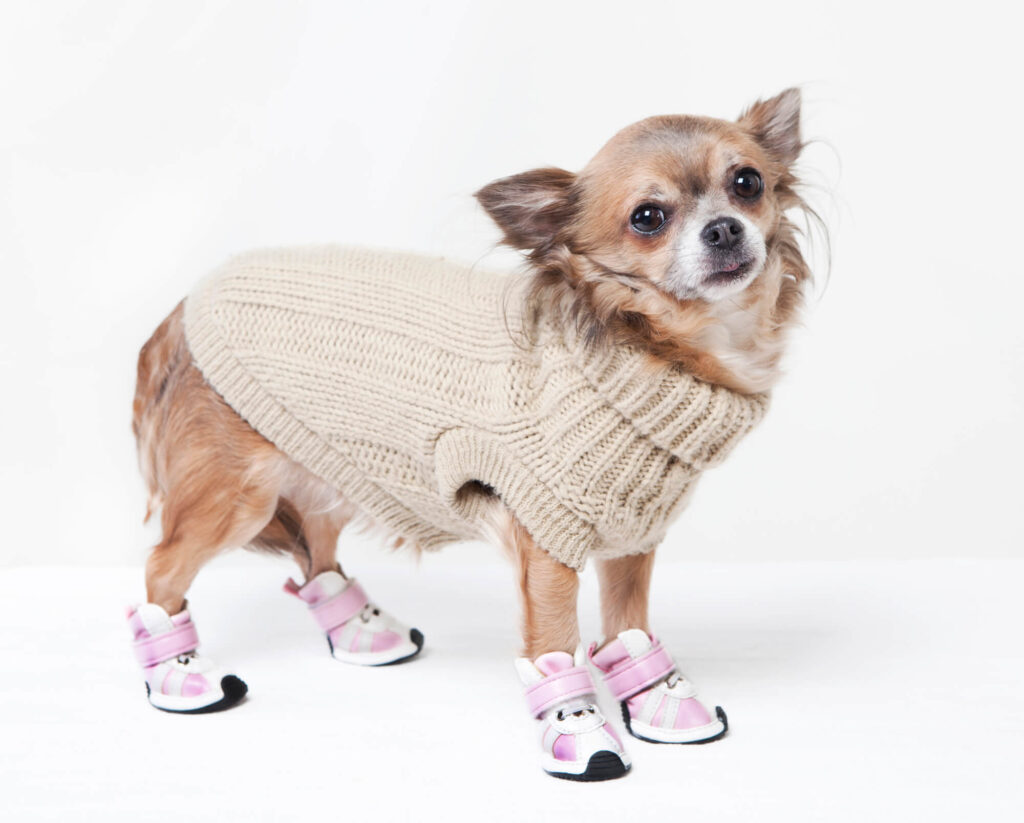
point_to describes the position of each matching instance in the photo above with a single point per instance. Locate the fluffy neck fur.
(736, 342)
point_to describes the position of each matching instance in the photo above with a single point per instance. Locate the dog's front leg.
(658, 704)
(576, 742)
(548, 592)
(625, 584)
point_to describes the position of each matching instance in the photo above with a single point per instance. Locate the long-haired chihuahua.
(565, 412)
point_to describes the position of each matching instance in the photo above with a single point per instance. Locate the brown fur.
(547, 589)
(218, 483)
(625, 583)
(585, 260)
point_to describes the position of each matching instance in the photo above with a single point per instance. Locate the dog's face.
(688, 204)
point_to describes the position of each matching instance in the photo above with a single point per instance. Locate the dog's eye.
(647, 219)
(747, 183)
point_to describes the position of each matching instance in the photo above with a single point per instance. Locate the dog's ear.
(530, 208)
(775, 124)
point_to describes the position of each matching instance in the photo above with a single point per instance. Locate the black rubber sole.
(415, 635)
(601, 766)
(234, 690)
(719, 713)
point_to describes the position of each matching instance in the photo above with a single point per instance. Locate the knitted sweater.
(408, 384)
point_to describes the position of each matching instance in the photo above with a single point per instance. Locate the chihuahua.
(564, 411)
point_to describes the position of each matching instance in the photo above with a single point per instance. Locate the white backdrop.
(143, 142)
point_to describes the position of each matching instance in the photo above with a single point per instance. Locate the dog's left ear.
(530, 208)
(775, 124)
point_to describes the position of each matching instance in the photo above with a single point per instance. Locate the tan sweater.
(407, 384)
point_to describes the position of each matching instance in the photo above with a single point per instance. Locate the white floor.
(869, 691)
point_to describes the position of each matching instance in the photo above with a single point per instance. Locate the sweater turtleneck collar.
(696, 421)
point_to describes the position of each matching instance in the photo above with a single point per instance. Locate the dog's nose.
(723, 233)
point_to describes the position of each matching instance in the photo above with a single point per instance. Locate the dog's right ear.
(530, 208)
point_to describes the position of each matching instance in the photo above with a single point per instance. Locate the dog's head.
(688, 205)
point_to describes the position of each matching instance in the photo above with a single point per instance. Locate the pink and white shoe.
(178, 679)
(357, 631)
(577, 742)
(658, 704)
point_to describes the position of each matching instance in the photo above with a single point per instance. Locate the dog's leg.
(548, 593)
(199, 526)
(577, 743)
(321, 532)
(211, 512)
(657, 702)
(625, 583)
(357, 630)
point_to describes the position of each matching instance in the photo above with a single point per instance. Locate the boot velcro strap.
(559, 687)
(635, 675)
(340, 608)
(165, 646)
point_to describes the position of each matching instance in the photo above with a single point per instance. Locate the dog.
(565, 412)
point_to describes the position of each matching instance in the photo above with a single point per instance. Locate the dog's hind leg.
(216, 482)
(357, 630)
(210, 511)
(657, 703)
(200, 521)
(576, 741)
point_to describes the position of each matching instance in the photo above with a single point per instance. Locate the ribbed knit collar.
(696, 421)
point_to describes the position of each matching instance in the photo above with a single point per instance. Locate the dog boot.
(178, 679)
(357, 631)
(577, 742)
(658, 704)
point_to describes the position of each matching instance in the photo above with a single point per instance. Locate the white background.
(145, 142)
(142, 143)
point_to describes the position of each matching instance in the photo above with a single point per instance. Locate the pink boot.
(178, 679)
(658, 704)
(576, 741)
(357, 631)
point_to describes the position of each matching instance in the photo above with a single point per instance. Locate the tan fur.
(547, 588)
(625, 583)
(220, 484)
(611, 281)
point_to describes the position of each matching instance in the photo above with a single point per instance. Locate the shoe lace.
(369, 610)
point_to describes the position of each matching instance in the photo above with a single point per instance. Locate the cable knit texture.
(418, 388)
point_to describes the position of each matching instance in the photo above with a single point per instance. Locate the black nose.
(723, 233)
